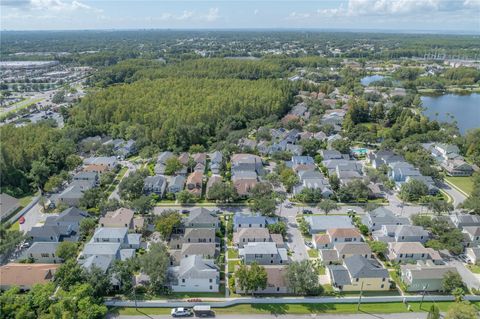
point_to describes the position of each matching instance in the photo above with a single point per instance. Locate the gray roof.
(70, 215)
(162, 157)
(202, 215)
(409, 230)
(49, 231)
(85, 175)
(101, 262)
(326, 222)
(42, 247)
(427, 272)
(154, 181)
(200, 249)
(101, 160)
(260, 248)
(94, 248)
(350, 248)
(127, 254)
(177, 181)
(360, 267)
(110, 232)
(196, 267)
(200, 233)
(216, 157)
(340, 275)
(7, 202)
(73, 191)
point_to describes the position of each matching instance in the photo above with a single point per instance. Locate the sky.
(394, 15)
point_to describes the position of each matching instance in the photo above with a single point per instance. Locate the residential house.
(243, 186)
(155, 185)
(216, 157)
(318, 224)
(401, 233)
(302, 160)
(427, 180)
(241, 220)
(313, 180)
(341, 251)
(90, 177)
(473, 255)
(250, 235)
(246, 162)
(195, 183)
(214, 179)
(71, 195)
(359, 274)
(264, 253)
(25, 276)
(95, 168)
(424, 276)
(161, 164)
(463, 220)
(117, 235)
(472, 236)
(332, 154)
(195, 274)
(8, 205)
(193, 235)
(122, 217)
(407, 252)
(276, 281)
(176, 184)
(336, 235)
(457, 167)
(202, 218)
(122, 148)
(43, 252)
(109, 162)
(380, 216)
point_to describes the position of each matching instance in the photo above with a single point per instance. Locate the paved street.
(130, 169)
(365, 315)
(32, 218)
(457, 196)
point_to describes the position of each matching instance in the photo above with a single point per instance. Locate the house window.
(44, 255)
(271, 261)
(210, 280)
(249, 225)
(382, 286)
(183, 280)
(335, 239)
(357, 279)
(383, 279)
(239, 225)
(211, 287)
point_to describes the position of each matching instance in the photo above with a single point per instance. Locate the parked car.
(288, 205)
(307, 211)
(203, 311)
(185, 211)
(308, 244)
(181, 312)
(463, 258)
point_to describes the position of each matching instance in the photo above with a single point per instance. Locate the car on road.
(21, 221)
(309, 244)
(185, 211)
(288, 205)
(181, 312)
(307, 211)
(463, 258)
(203, 311)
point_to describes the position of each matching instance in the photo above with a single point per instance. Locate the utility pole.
(360, 298)
(423, 295)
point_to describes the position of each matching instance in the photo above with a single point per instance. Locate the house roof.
(276, 276)
(14, 274)
(472, 230)
(427, 272)
(200, 233)
(353, 249)
(195, 178)
(7, 203)
(195, 267)
(201, 249)
(360, 267)
(202, 215)
(327, 222)
(340, 275)
(71, 215)
(321, 239)
(260, 248)
(240, 218)
(253, 232)
(408, 248)
(101, 262)
(409, 230)
(94, 248)
(344, 232)
(243, 186)
(164, 156)
(120, 216)
(216, 157)
(42, 247)
(154, 181)
(177, 181)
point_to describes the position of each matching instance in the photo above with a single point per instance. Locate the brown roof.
(321, 239)
(95, 168)
(276, 276)
(118, 218)
(183, 158)
(278, 239)
(252, 232)
(243, 186)
(303, 167)
(343, 232)
(26, 275)
(244, 157)
(195, 178)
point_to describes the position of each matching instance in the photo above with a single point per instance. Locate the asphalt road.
(130, 169)
(410, 315)
(32, 218)
(469, 278)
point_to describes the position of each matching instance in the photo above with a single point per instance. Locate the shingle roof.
(340, 275)
(196, 267)
(260, 248)
(353, 248)
(344, 232)
(42, 247)
(93, 248)
(360, 267)
(202, 249)
(14, 274)
(110, 232)
(101, 262)
(202, 215)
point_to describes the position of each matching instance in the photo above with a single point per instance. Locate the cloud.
(212, 15)
(255, 12)
(49, 5)
(15, 3)
(298, 15)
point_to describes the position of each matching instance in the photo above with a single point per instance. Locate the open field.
(465, 183)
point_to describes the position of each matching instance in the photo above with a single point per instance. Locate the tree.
(69, 274)
(39, 173)
(78, 302)
(334, 181)
(91, 198)
(251, 278)
(222, 192)
(413, 190)
(10, 239)
(302, 278)
(143, 205)
(185, 197)
(309, 195)
(288, 178)
(434, 313)
(87, 226)
(278, 228)
(123, 270)
(263, 199)
(167, 222)
(73, 161)
(99, 280)
(451, 280)
(172, 165)
(66, 250)
(131, 187)
(378, 247)
(154, 263)
(440, 206)
(311, 146)
(343, 146)
(328, 205)
(53, 182)
(462, 310)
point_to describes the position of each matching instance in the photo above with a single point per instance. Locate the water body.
(464, 108)
(371, 78)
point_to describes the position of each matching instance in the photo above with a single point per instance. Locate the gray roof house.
(424, 276)
(407, 252)
(462, 220)
(116, 235)
(216, 157)
(70, 217)
(90, 177)
(401, 233)
(249, 235)
(195, 274)
(249, 220)
(43, 252)
(304, 160)
(161, 162)
(359, 273)
(71, 195)
(202, 218)
(264, 253)
(383, 216)
(193, 235)
(319, 224)
(332, 154)
(8, 205)
(107, 161)
(177, 183)
(155, 184)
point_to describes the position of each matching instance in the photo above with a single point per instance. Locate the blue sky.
(402, 15)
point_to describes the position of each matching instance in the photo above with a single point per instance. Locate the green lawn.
(14, 226)
(313, 253)
(322, 270)
(318, 308)
(464, 183)
(474, 268)
(398, 280)
(232, 264)
(232, 253)
(24, 201)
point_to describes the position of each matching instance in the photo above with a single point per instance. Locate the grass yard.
(313, 253)
(14, 226)
(474, 268)
(465, 183)
(398, 280)
(232, 264)
(232, 253)
(317, 308)
(322, 270)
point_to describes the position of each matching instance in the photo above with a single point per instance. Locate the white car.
(181, 312)
(288, 205)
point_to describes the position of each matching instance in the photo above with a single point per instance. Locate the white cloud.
(212, 15)
(255, 12)
(298, 15)
(59, 6)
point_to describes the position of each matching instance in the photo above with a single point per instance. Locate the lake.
(464, 108)
(371, 78)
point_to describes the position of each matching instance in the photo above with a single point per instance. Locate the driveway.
(295, 240)
(469, 278)
(33, 217)
(130, 169)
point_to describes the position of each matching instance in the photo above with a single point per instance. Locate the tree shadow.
(274, 309)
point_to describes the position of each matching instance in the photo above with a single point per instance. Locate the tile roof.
(14, 274)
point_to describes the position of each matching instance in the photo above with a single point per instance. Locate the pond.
(371, 78)
(465, 109)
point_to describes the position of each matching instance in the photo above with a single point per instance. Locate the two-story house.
(263, 253)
